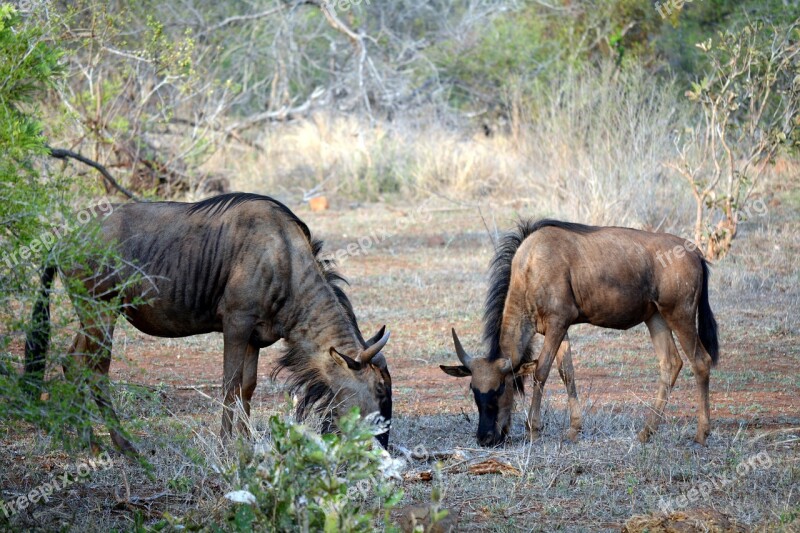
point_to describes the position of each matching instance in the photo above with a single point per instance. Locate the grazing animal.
(548, 275)
(240, 264)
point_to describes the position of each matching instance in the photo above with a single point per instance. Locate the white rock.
(241, 496)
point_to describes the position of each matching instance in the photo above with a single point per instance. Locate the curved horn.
(463, 356)
(373, 350)
(375, 338)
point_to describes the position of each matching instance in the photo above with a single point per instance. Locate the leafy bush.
(308, 482)
(749, 106)
(28, 67)
(36, 205)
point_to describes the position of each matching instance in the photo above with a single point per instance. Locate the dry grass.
(592, 146)
(428, 275)
(590, 154)
(348, 159)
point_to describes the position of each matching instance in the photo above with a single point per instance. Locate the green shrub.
(35, 205)
(308, 482)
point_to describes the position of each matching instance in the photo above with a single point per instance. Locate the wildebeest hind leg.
(686, 330)
(567, 373)
(93, 345)
(102, 396)
(72, 371)
(670, 365)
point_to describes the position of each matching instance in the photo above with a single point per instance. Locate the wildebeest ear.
(459, 371)
(527, 369)
(344, 361)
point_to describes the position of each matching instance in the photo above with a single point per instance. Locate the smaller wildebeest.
(548, 275)
(240, 264)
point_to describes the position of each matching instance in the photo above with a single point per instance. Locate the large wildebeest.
(548, 275)
(240, 264)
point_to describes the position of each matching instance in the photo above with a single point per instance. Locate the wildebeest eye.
(380, 389)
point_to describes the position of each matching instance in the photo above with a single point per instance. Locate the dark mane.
(217, 205)
(500, 274)
(334, 278)
(305, 380)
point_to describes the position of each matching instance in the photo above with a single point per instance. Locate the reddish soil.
(421, 284)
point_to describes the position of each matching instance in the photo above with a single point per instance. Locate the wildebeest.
(240, 264)
(548, 275)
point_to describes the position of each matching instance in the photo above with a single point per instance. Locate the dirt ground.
(423, 271)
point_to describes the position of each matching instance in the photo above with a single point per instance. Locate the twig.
(242, 18)
(284, 113)
(127, 489)
(201, 386)
(61, 153)
(485, 225)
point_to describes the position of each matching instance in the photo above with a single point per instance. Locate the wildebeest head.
(492, 385)
(363, 381)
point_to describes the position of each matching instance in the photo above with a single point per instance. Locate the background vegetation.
(601, 111)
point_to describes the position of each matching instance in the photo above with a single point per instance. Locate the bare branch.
(61, 153)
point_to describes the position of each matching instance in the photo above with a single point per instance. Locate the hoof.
(95, 449)
(124, 446)
(533, 434)
(573, 434)
(644, 435)
(700, 439)
(128, 450)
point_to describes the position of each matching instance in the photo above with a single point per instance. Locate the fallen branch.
(425, 455)
(493, 466)
(201, 386)
(421, 475)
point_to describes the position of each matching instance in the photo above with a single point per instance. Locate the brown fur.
(243, 265)
(549, 275)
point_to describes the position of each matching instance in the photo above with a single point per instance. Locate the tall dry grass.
(598, 144)
(590, 146)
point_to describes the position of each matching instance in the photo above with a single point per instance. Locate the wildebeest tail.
(38, 336)
(706, 323)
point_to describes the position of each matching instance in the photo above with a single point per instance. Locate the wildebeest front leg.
(249, 380)
(534, 421)
(236, 336)
(552, 342)
(567, 373)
